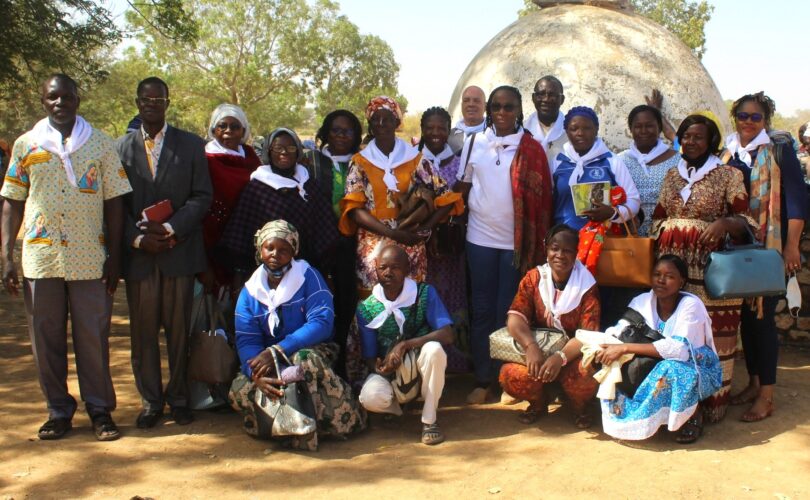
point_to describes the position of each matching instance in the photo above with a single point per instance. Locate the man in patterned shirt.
(66, 180)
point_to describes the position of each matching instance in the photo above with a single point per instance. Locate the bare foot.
(745, 396)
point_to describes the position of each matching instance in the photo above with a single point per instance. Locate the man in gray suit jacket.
(162, 258)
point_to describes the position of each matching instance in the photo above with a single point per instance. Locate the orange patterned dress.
(576, 382)
(678, 227)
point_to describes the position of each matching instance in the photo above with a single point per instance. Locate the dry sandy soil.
(488, 454)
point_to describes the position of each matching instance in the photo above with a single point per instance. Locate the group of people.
(371, 265)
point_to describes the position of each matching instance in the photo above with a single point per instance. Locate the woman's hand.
(534, 360)
(262, 365)
(714, 235)
(405, 237)
(610, 353)
(551, 368)
(793, 259)
(270, 386)
(600, 212)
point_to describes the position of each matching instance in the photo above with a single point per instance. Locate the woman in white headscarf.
(231, 161)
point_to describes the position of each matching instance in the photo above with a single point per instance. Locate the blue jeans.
(493, 284)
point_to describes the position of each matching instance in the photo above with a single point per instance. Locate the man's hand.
(154, 244)
(10, 280)
(152, 227)
(111, 274)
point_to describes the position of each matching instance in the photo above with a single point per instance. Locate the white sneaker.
(509, 400)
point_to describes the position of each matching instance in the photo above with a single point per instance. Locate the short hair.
(434, 111)
(641, 108)
(399, 251)
(714, 133)
(64, 78)
(553, 79)
(322, 136)
(559, 229)
(766, 103)
(152, 80)
(516, 93)
(676, 261)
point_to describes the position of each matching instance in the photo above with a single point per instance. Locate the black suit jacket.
(182, 178)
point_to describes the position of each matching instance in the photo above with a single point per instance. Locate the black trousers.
(760, 341)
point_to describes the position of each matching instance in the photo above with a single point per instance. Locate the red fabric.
(229, 175)
(531, 195)
(577, 383)
(592, 234)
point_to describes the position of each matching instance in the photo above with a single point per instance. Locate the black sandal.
(104, 428)
(54, 428)
(432, 434)
(583, 421)
(691, 430)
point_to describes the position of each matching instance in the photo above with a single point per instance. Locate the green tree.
(686, 19)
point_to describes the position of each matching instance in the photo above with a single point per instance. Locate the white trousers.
(377, 394)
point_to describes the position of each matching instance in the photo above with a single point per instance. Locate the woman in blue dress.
(688, 371)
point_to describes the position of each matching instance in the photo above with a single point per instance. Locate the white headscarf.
(406, 298)
(744, 152)
(598, 149)
(215, 148)
(258, 288)
(644, 158)
(696, 174)
(401, 153)
(50, 139)
(580, 281)
(266, 175)
(225, 110)
(336, 158)
(557, 129)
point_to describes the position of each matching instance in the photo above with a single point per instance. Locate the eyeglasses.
(507, 108)
(280, 150)
(545, 95)
(229, 126)
(754, 117)
(345, 132)
(160, 101)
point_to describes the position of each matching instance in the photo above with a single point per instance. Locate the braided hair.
(516, 93)
(434, 111)
(765, 102)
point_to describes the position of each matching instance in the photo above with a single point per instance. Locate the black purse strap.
(469, 152)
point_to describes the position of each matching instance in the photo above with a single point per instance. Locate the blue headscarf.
(581, 111)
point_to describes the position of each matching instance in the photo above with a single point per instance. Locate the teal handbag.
(744, 271)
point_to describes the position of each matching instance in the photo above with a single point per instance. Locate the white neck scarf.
(336, 158)
(266, 175)
(50, 139)
(504, 142)
(744, 152)
(644, 158)
(401, 153)
(406, 298)
(580, 281)
(696, 174)
(598, 149)
(470, 129)
(258, 288)
(557, 130)
(215, 148)
(648, 308)
(437, 160)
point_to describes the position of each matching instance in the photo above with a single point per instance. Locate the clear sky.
(751, 45)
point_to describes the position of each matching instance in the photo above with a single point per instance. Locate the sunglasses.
(508, 108)
(345, 132)
(229, 126)
(280, 150)
(754, 117)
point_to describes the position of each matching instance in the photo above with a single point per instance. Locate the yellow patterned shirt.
(64, 225)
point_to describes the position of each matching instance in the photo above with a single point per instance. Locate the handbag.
(415, 205)
(636, 370)
(407, 380)
(743, 271)
(292, 414)
(626, 261)
(451, 236)
(212, 359)
(504, 347)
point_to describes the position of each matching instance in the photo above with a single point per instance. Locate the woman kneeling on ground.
(689, 370)
(286, 305)
(561, 294)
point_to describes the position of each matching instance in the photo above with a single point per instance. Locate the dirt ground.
(488, 453)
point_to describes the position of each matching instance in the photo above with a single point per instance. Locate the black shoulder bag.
(636, 370)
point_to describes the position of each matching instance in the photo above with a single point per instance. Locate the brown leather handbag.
(626, 261)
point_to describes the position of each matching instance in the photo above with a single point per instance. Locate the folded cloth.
(293, 373)
(609, 375)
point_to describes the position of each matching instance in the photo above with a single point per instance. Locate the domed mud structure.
(606, 56)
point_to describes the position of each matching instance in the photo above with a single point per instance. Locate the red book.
(159, 212)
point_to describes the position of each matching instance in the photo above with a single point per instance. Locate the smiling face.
(340, 136)
(60, 100)
(435, 132)
(666, 279)
(152, 102)
(383, 125)
(547, 98)
(561, 254)
(581, 133)
(283, 152)
(645, 130)
(749, 121)
(276, 253)
(695, 141)
(505, 109)
(473, 104)
(229, 132)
